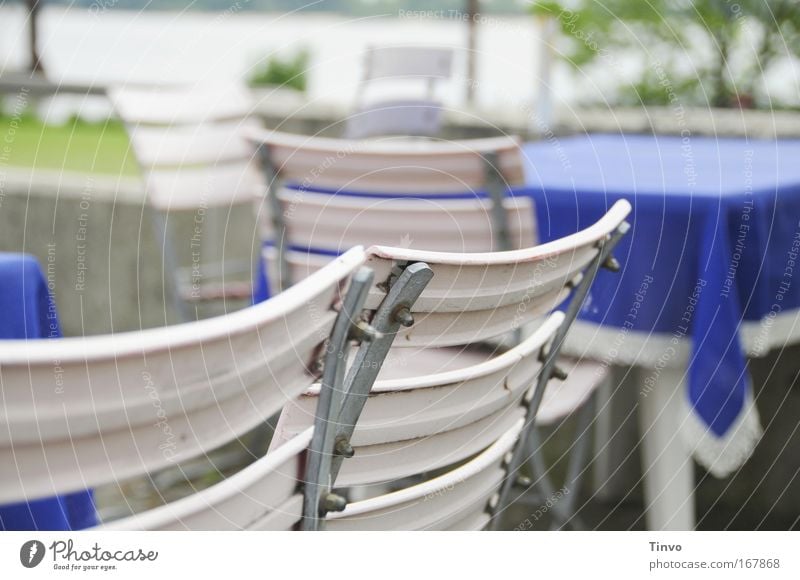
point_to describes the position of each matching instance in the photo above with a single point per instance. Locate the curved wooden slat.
(416, 117)
(473, 522)
(435, 504)
(408, 61)
(180, 104)
(78, 412)
(191, 187)
(260, 496)
(412, 425)
(391, 165)
(188, 145)
(337, 222)
(473, 297)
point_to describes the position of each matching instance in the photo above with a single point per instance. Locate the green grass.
(77, 146)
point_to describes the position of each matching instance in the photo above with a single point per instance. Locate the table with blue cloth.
(707, 280)
(27, 311)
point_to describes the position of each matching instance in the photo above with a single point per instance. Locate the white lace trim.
(621, 346)
(723, 455)
(720, 455)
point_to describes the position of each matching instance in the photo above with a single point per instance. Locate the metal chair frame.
(342, 397)
(549, 357)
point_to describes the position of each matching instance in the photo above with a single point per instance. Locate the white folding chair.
(417, 113)
(326, 195)
(414, 425)
(80, 412)
(189, 145)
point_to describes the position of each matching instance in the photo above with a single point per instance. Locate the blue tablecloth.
(709, 262)
(708, 265)
(28, 311)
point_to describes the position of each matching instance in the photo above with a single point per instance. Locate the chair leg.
(577, 462)
(563, 499)
(171, 269)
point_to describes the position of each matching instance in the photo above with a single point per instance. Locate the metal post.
(170, 267)
(276, 215)
(496, 188)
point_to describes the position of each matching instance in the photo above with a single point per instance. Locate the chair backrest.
(79, 412)
(456, 500)
(393, 167)
(417, 425)
(399, 68)
(407, 117)
(391, 62)
(331, 224)
(478, 296)
(334, 193)
(189, 143)
(262, 496)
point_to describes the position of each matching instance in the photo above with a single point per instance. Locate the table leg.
(666, 462)
(615, 468)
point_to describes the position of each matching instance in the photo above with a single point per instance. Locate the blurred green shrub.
(287, 72)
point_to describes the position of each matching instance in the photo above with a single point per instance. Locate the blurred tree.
(471, 13)
(33, 13)
(713, 51)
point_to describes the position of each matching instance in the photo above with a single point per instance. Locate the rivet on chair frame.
(523, 481)
(343, 448)
(333, 502)
(544, 352)
(494, 500)
(363, 332)
(507, 458)
(575, 281)
(559, 373)
(601, 242)
(403, 316)
(611, 264)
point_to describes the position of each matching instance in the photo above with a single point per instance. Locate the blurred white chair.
(392, 69)
(194, 160)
